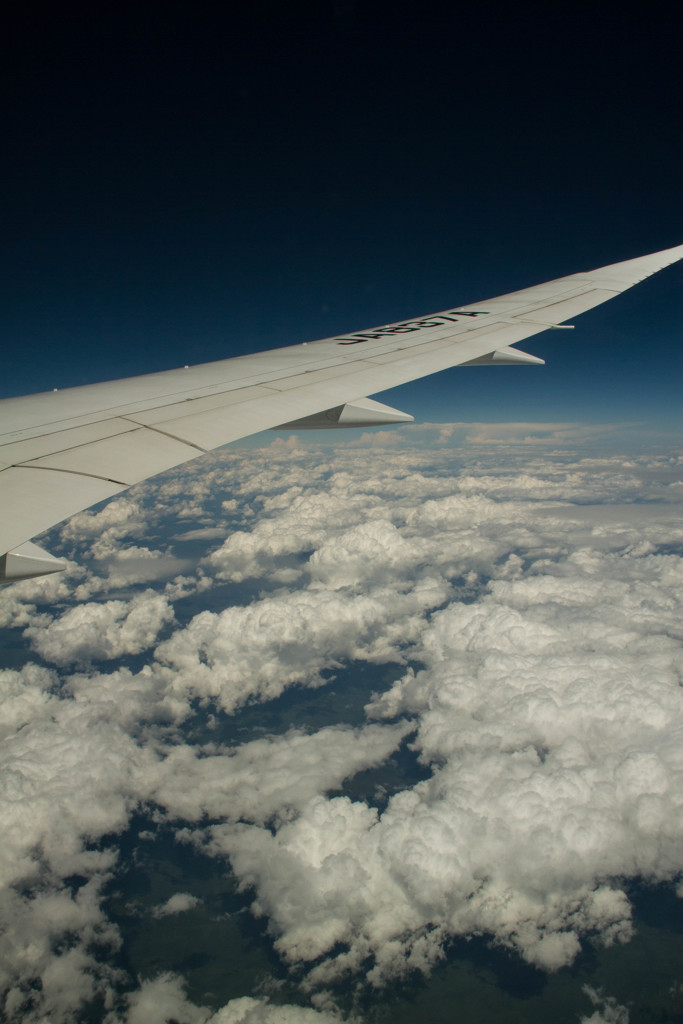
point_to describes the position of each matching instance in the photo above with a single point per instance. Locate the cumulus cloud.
(33, 946)
(549, 699)
(258, 1011)
(551, 712)
(162, 999)
(19, 602)
(267, 778)
(608, 1009)
(256, 651)
(178, 903)
(534, 603)
(120, 518)
(297, 523)
(101, 631)
(70, 774)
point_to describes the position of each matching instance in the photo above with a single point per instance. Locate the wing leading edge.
(61, 452)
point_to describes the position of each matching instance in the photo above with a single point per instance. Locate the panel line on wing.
(73, 472)
(174, 437)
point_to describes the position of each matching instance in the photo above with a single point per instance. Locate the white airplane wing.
(63, 451)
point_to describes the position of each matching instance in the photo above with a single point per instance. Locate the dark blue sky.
(183, 185)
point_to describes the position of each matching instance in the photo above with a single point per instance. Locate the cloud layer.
(532, 604)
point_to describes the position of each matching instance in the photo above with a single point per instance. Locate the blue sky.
(184, 186)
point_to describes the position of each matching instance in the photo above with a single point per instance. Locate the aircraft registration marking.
(408, 326)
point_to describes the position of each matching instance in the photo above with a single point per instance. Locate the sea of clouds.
(530, 598)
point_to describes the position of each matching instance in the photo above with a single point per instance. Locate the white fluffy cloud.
(551, 711)
(608, 1011)
(267, 778)
(302, 524)
(90, 632)
(178, 903)
(256, 651)
(19, 602)
(120, 518)
(259, 1011)
(539, 603)
(160, 1000)
(163, 999)
(69, 775)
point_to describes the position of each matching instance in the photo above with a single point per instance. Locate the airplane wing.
(62, 451)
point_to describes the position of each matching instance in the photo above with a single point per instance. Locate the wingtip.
(629, 272)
